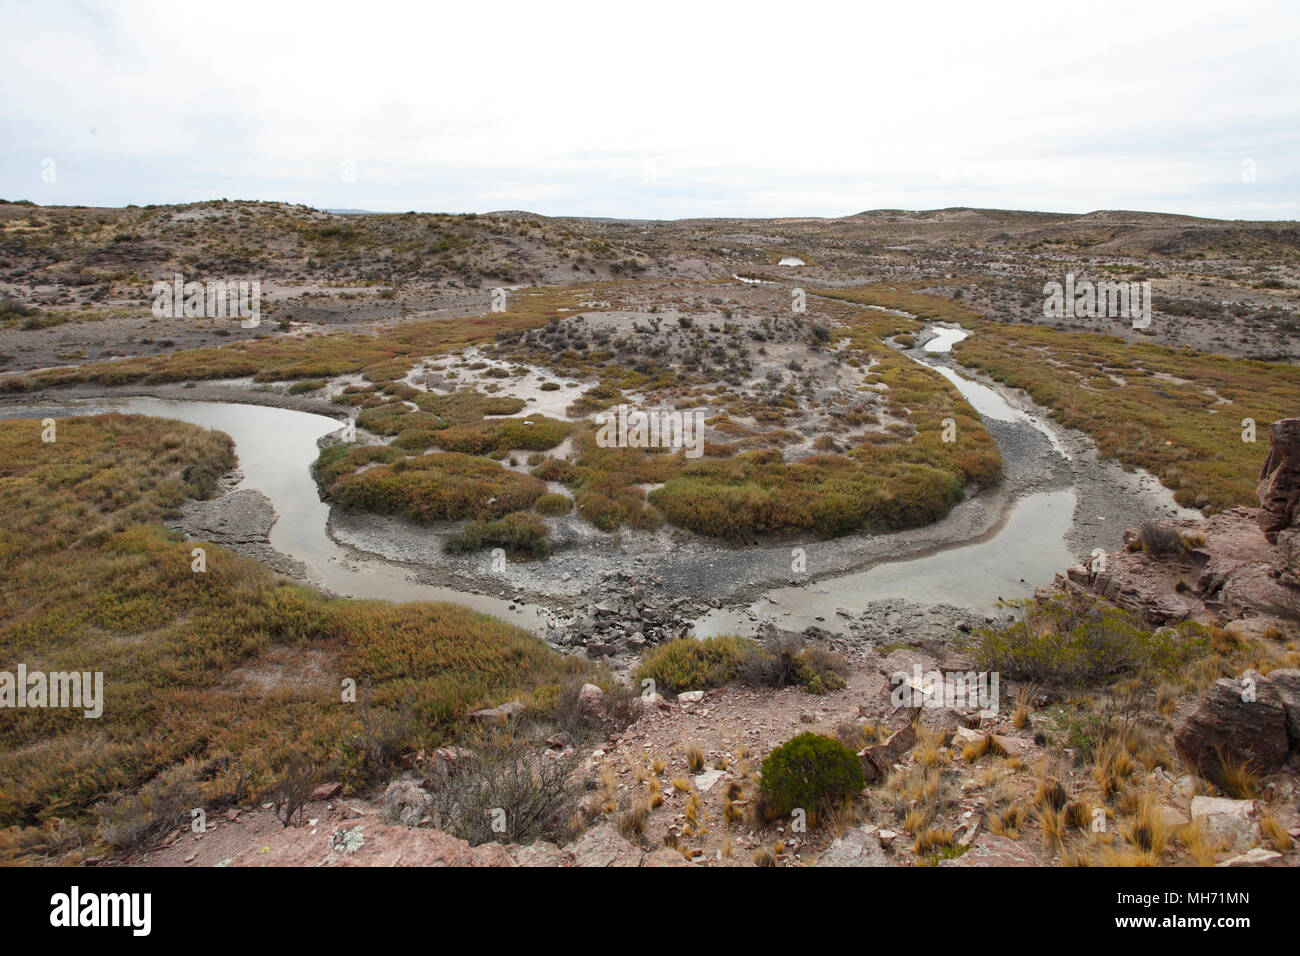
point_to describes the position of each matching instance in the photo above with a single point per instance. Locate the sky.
(655, 110)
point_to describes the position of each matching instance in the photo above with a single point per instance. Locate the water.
(992, 405)
(944, 339)
(276, 448)
(1008, 564)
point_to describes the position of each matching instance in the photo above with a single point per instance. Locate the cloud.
(739, 109)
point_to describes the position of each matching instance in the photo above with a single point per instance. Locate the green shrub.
(811, 772)
(687, 664)
(1078, 640)
(518, 532)
(550, 504)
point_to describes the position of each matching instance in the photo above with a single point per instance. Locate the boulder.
(1287, 684)
(1231, 821)
(1255, 857)
(498, 715)
(605, 846)
(591, 704)
(878, 759)
(860, 846)
(1240, 721)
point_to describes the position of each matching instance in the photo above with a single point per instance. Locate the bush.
(550, 504)
(688, 664)
(518, 532)
(1161, 541)
(785, 659)
(810, 772)
(163, 804)
(1078, 640)
(539, 795)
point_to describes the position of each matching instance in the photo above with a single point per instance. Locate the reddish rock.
(878, 759)
(498, 715)
(1279, 480)
(990, 850)
(1239, 721)
(327, 791)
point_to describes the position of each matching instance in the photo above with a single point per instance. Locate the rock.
(327, 791)
(1279, 479)
(498, 715)
(879, 759)
(1257, 856)
(1014, 746)
(591, 704)
(705, 781)
(559, 740)
(1172, 817)
(860, 846)
(665, 857)
(605, 846)
(543, 854)
(405, 803)
(369, 844)
(1254, 628)
(991, 850)
(1286, 682)
(1231, 820)
(653, 702)
(1225, 727)
(690, 697)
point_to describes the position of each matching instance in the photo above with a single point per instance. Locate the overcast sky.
(656, 110)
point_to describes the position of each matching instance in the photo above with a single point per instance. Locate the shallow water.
(276, 447)
(992, 405)
(945, 339)
(1023, 553)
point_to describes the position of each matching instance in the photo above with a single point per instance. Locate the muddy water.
(1022, 553)
(276, 447)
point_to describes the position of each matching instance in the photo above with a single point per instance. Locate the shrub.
(538, 794)
(163, 804)
(550, 504)
(784, 659)
(688, 664)
(518, 532)
(1076, 640)
(812, 772)
(1161, 541)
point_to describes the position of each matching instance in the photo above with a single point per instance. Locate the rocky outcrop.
(1279, 480)
(1241, 721)
(378, 844)
(1243, 562)
(991, 850)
